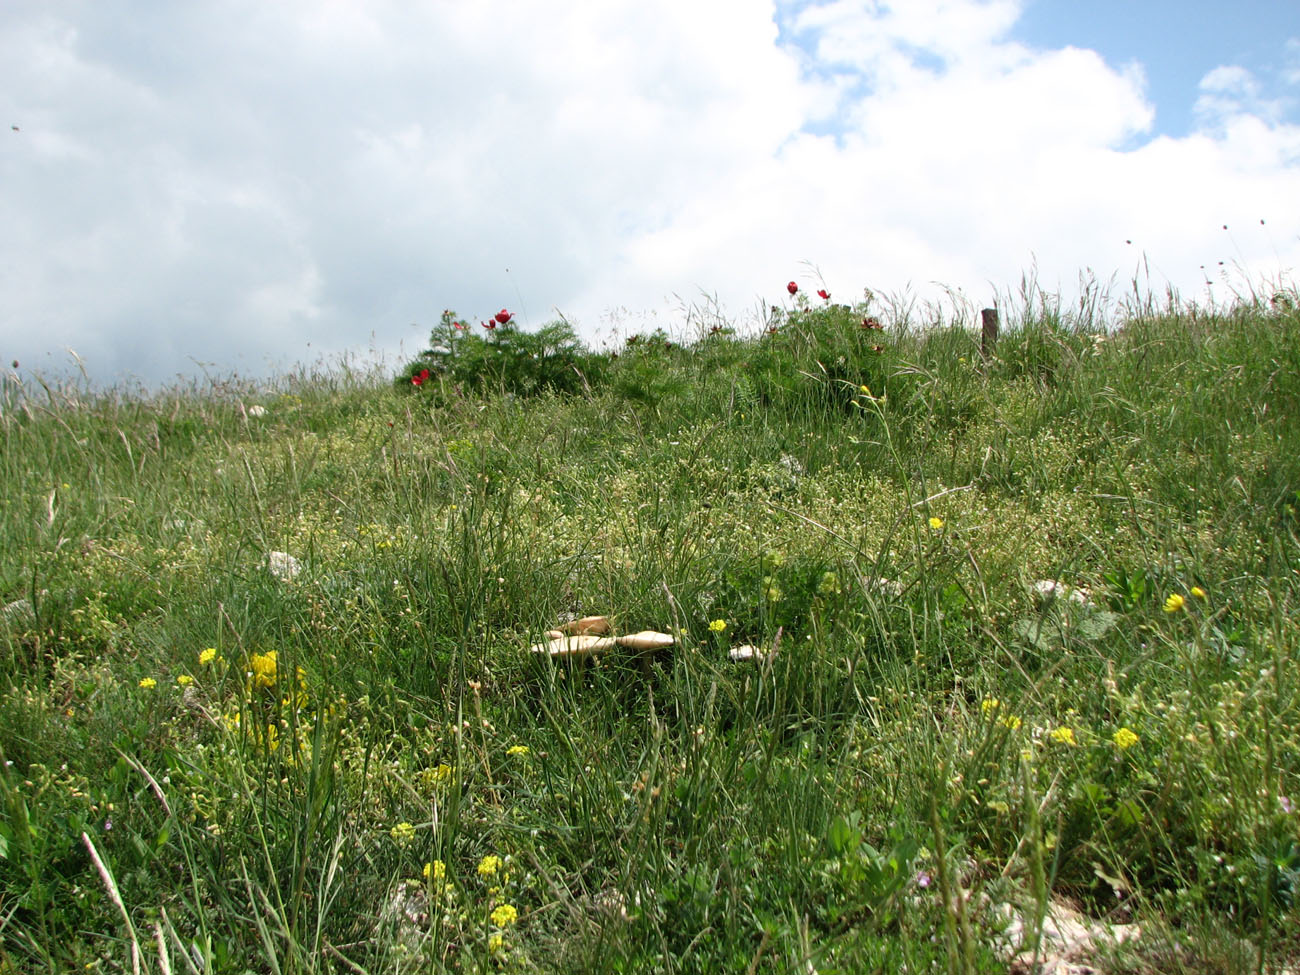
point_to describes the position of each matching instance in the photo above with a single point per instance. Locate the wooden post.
(989, 337)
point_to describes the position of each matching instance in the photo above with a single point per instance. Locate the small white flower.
(257, 410)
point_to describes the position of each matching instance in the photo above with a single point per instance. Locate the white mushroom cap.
(588, 624)
(646, 640)
(582, 645)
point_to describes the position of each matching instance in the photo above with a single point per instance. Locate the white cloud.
(209, 180)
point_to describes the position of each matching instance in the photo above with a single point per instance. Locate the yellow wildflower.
(1064, 736)
(717, 626)
(1174, 603)
(517, 750)
(207, 656)
(989, 705)
(264, 669)
(1125, 738)
(438, 775)
(1198, 592)
(436, 870)
(496, 943)
(185, 680)
(1009, 721)
(504, 915)
(148, 683)
(489, 865)
(935, 522)
(402, 832)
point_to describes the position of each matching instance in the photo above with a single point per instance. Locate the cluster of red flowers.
(822, 293)
(500, 318)
(871, 322)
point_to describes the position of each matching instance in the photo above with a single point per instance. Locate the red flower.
(503, 316)
(488, 325)
(872, 322)
(823, 294)
(419, 378)
(458, 324)
(792, 287)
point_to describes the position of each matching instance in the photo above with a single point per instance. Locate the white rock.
(282, 565)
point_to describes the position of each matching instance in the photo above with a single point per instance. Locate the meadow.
(1022, 629)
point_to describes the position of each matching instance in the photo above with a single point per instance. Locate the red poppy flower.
(458, 324)
(823, 294)
(488, 325)
(503, 316)
(792, 287)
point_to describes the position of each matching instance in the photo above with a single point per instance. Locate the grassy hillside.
(1025, 629)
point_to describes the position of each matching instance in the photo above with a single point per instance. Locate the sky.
(237, 187)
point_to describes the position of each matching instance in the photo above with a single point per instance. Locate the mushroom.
(582, 645)
(646, 640)
(588, 624)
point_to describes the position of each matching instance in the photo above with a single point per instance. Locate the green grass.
(941, 741)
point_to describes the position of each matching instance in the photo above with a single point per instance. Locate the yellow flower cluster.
(504, 915)
(991, 706)
(517, 750)
(264, 669)
(1064, 736)
(1124, 738)
(717, 626)
(489, 865)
